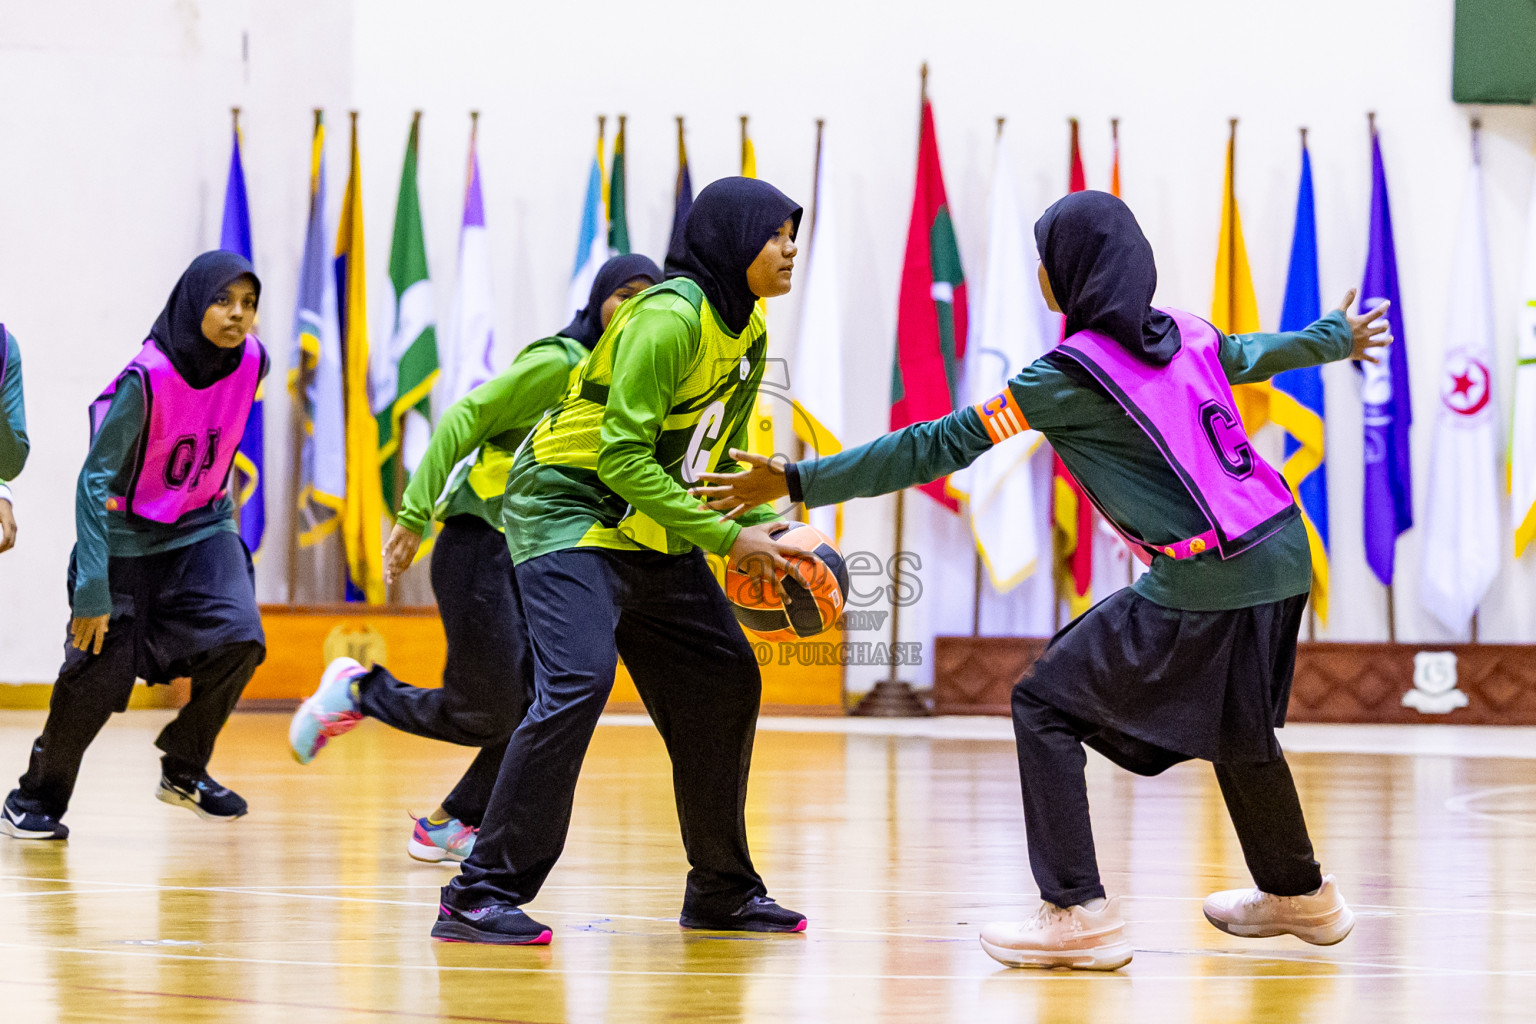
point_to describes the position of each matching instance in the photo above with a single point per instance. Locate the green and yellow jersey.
(490, 423)
(666, 393)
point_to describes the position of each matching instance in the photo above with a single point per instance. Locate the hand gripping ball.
(805, 610)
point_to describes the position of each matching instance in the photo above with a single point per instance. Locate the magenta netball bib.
(1187, 409)
(190, 434)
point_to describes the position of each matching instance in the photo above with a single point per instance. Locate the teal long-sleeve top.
(14, 444)
(101, 535)
(1114, 460)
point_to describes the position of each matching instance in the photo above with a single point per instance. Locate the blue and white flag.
(315, 380)
(471, 334)
(592, 242)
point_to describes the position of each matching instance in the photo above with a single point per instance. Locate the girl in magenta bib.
(1192, 661)
(160, 584)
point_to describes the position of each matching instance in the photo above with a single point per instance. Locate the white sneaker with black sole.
(202, 796)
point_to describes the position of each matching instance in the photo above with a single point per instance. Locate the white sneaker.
(1321, 918)
(1088, 940)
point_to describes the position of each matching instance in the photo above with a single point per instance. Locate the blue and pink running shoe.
(332, 710)
(452, 841)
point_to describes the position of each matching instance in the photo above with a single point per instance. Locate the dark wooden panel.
(1335, 682)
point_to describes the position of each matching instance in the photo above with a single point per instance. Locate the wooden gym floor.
(896, 846)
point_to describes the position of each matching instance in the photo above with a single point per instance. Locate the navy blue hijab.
(179, 327)
(1102, 274)
(613, 275)
(730, 222)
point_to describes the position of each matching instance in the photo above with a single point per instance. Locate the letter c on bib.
(1233, 452)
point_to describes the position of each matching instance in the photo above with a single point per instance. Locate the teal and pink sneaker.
(332, 711)
(452, 841)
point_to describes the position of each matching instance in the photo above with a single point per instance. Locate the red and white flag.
(1461, 535)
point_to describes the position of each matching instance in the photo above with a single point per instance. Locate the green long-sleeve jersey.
(666, 393)
(1114, 460)
(101, 535)
(14, 444)
(490, 422)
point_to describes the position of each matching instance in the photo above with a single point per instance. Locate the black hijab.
(1102, 273)
(731, 221)
(179, 328)
(613, 275)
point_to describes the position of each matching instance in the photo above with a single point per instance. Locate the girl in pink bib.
(160, 584)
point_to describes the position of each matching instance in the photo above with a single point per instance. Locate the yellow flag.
(364, 512)
(1234, 308)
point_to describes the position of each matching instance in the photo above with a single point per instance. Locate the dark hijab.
(1103, 276)
(731, 221)
(179, 328)
(613, 275)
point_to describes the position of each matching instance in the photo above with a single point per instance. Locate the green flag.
(403, 384)
(618, 224)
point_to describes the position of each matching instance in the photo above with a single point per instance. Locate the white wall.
(115, 142)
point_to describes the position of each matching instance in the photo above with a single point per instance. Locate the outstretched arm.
(907, 457)
(1249, 358)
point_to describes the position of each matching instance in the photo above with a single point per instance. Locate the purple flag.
(1388, 409)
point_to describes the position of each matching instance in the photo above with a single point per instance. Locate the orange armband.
(1002, 416)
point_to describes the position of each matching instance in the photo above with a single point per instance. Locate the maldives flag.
(1071, 512)
(930, 323)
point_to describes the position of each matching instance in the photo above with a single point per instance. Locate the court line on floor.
(1024, 977)
(1004, 899)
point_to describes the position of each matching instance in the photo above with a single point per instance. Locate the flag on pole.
(250, 485)
(470, 337)
(1461, 518)
(592, 240)
(1296, 403)
(682, 195)
(817, 386)
(760, 430)
(1000, 486)
(315, 380)
(1234, 307)
(364, 510)
(618, 223)
(1522, 446)
(1388, 413)
(931, 318)
(1071, 511)
(405, 377)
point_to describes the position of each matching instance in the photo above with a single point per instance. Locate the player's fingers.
(1347, 301)
(723, 478)
(101, 637)
(750, 458)
(734, 512)
(1379, 312)
(705, 492)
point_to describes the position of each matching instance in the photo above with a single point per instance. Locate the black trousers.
(1260, 796)
(488, 677)
(190, 611)
(697, 675)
